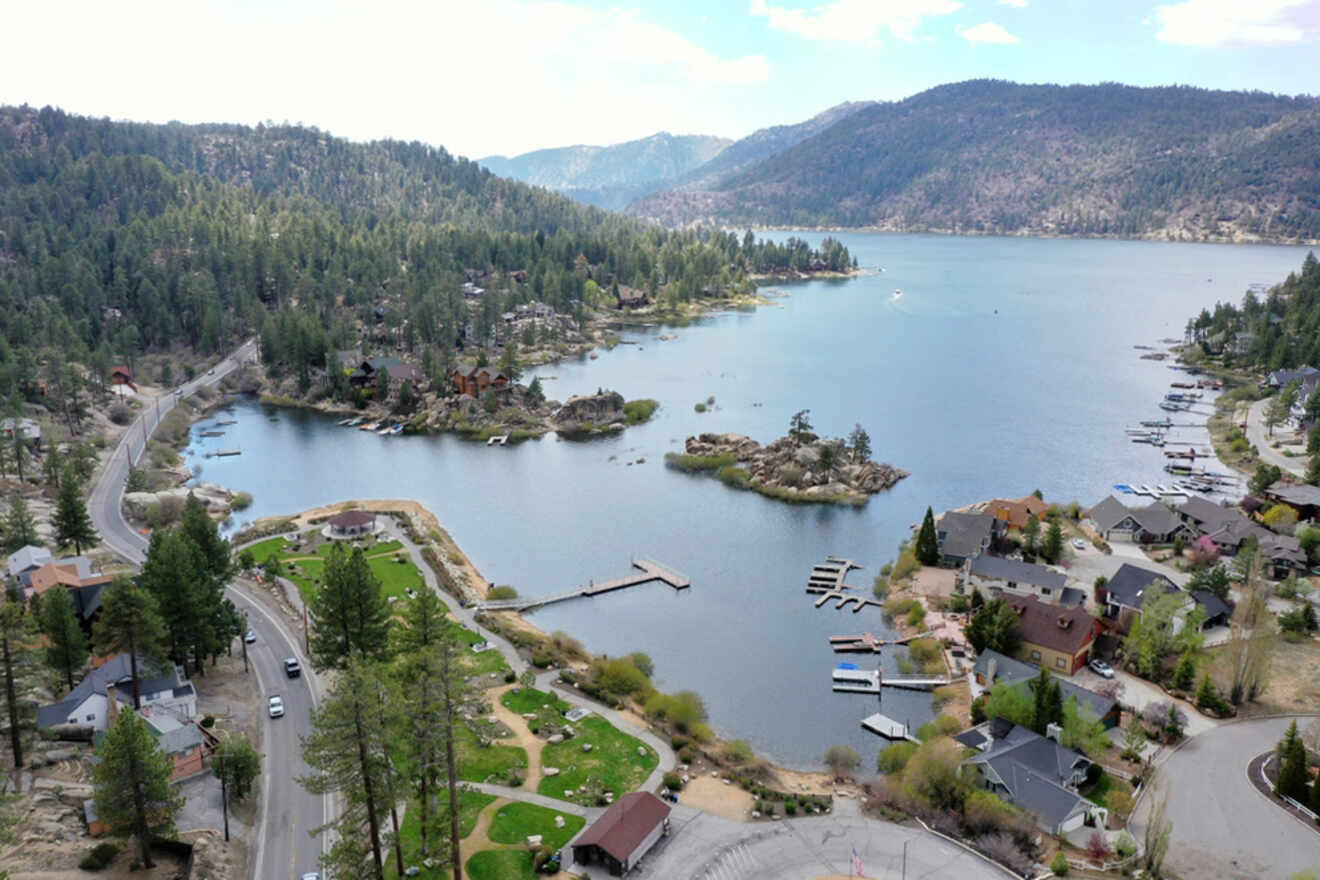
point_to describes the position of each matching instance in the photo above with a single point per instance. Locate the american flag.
(857, 863)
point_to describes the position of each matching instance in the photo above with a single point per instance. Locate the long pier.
(650, 571)
(866, 643)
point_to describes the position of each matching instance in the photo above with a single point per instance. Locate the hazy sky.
(507, 76)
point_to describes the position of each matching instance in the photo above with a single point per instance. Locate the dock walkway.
(650, 571)
(887, 727)
(867, 643)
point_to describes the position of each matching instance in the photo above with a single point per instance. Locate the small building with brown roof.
(1016, 512)
(1056, 638)
(624, 834)
(352, 523)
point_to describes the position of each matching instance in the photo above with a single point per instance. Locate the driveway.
(1222, 826)
(1139, 693)
(705, 847)
(1258, 437)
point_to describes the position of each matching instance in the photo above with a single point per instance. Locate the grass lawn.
(395, 578)
(1104, 786)
(470, 803)
(515, 822)
(522, 700)
(263, 550)
(613, 761)
(501, 864)
(489, 764)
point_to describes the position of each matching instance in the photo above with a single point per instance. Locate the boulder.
(601, 408)
(586, 747)
(556, 739)
(549, 771)
(559, 821)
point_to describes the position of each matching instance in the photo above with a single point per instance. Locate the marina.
(866, 643)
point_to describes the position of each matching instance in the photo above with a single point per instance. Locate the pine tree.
(1053, 547)
(1207, 696)
(1185, 672)
(130, 623)
(1314, 803)
(1293, 777)
(73, 525)
(236, 764)
(16, 654)
(349, 614)
(66, 648)
(928, 547)
(20, 527)
(133, 793)
(860, 441)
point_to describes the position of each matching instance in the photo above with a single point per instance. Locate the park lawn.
(395, 579)
(515, 822)
(489, 764)
(470, 804)
(501, 864)
(488, 661)
(613, 761)
(263, 550)
(523, 700)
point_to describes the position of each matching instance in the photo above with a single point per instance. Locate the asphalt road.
(1222, 826)
(282, 847)
(1261, 439)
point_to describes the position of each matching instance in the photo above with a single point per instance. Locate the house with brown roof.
(624, 833)
(122, 375)
(631, 297)
(64, 573)
(1054, 637)
(1016, 511)
(475, 381)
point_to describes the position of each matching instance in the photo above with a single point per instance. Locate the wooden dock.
(887, 727)
(650, 571)
(858, 602)
(831, 574)
(224, 452)
(866, 643)
(857, 681)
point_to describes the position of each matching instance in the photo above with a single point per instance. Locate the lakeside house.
(1280, 379)
(365, 374)
(348, 359)
(475, 381)
(163, 686)
(1228, 527)
(1057, 638)
(1304, 499)
(631, 297)
(624, 833)
(1123, 596)
(1152, 524)
(1033, 772)
(993, 667)
(964, 536)
(1016, 512)
(994, 573)
(70, 574)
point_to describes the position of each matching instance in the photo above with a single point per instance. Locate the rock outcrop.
(218, 499)
(789, 468)
(602, 409)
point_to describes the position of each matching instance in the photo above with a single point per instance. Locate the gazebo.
(352, 523)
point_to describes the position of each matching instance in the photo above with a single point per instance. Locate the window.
(1058, 661)
(91, 717)
(1045, 591)
(1035, 655)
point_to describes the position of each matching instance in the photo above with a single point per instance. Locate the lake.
(1007, 365)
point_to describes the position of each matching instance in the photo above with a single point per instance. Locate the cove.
(1005, 366)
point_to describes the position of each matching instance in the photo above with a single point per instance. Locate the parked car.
(311, 875)
(250, 637)
(210, 372)
(276, 707)
(1079, 544)
(292, 668)
(1101, 668)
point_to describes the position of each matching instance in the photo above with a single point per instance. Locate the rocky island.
(799, 467)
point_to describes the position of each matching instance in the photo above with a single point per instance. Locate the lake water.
(1007, 365)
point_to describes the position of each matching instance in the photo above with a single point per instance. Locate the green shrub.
(510, 677)
(790, 807)
(101, 855)
(673, 781)
(242, 501)
(1060, 864)
(700, 407)
(635, 412)
(893, 759)
(916, 614)
(905, 565)
(734, 476)
(208, 722)
(697, 463)
(504, 591)
(687, 755)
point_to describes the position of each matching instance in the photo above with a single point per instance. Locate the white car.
(1101, 668)
(1078, 544)
(250, 637)
(276, 707)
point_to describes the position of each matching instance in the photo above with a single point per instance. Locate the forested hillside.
(989, 156)
(610, 177)
(117, 238)
(1277, 330)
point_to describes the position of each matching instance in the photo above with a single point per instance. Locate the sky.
(483, 77)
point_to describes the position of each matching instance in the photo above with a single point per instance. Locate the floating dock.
(887, 727)
(857, 681)
(650, 571)
(498, 440)
(866, 643)
(223, 452)
(844, 599)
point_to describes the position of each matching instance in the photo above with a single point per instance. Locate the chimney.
(1064, 622)
(991, 669)
(111, 706)
(1053, 731)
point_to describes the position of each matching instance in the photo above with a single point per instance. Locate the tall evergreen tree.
(236, 764)
(928, 545)
(133, 792)
(20, 527)
(349, 614)
(16, 654)
(1052, 549)
(66, 646)
(73, 524)
(130, 623)
(1293, 772)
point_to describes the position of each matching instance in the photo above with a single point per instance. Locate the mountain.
(610, 176)
(998, 157)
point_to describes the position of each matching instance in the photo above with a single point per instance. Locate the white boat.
(897, 294)
(383, 431)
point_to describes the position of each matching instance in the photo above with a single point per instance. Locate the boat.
(1162, 423)
(352, 423)
(396, 428)
(383, 431)
(1170, 406)
(897, 294)
(1124, 487)
(1182, 385)
(368, 426)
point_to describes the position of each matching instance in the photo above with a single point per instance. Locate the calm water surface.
(1005, 366)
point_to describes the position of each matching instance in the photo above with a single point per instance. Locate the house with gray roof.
(26, 559)
(1152, 524)
(990, 573)
(964, 536)
(1126, 592)
(993, 667)
(1304, 499)
(163, 686)
(1032, 771)
(1283, 378)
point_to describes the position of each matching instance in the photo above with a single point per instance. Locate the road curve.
(282, 846)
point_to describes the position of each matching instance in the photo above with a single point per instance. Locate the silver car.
(276, 707)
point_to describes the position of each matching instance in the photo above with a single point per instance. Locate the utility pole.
(307, 644)
(244, 638)
(905, 843)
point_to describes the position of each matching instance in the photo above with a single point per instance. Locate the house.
(26, 560)
(1032, 771)
(624, 833)
(400, 373)
(182, 741)
(1055, 637)
(352, 523)
(987, 573)
(474, 381)
(631, 297)
(1228, 528)
(348, 359)
(993, 667)
(162, 686)
(1153, 524)
(1016, 512)
(28, 429)
(1217, 611)
(122, 375)
(472, 291)
(1205, 516)
(1304, 499)
(365, 374)
(67, 574)
(1124, 595)
(1283, 378)
(963, 536)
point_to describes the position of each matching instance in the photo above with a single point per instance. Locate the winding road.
(282, 846)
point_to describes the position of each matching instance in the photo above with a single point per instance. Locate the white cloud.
(497, 76)
(1236, 22)
(988, 32)
(854, 21)
(1020, 4)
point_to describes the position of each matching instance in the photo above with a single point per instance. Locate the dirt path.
(522, 736)
(478, 839)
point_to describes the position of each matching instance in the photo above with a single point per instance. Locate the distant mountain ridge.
(610, 176)
(997, 157)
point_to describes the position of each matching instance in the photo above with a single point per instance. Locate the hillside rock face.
(601, 408)
(791, 468)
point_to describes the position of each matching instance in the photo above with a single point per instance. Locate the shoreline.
(1154, 237)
